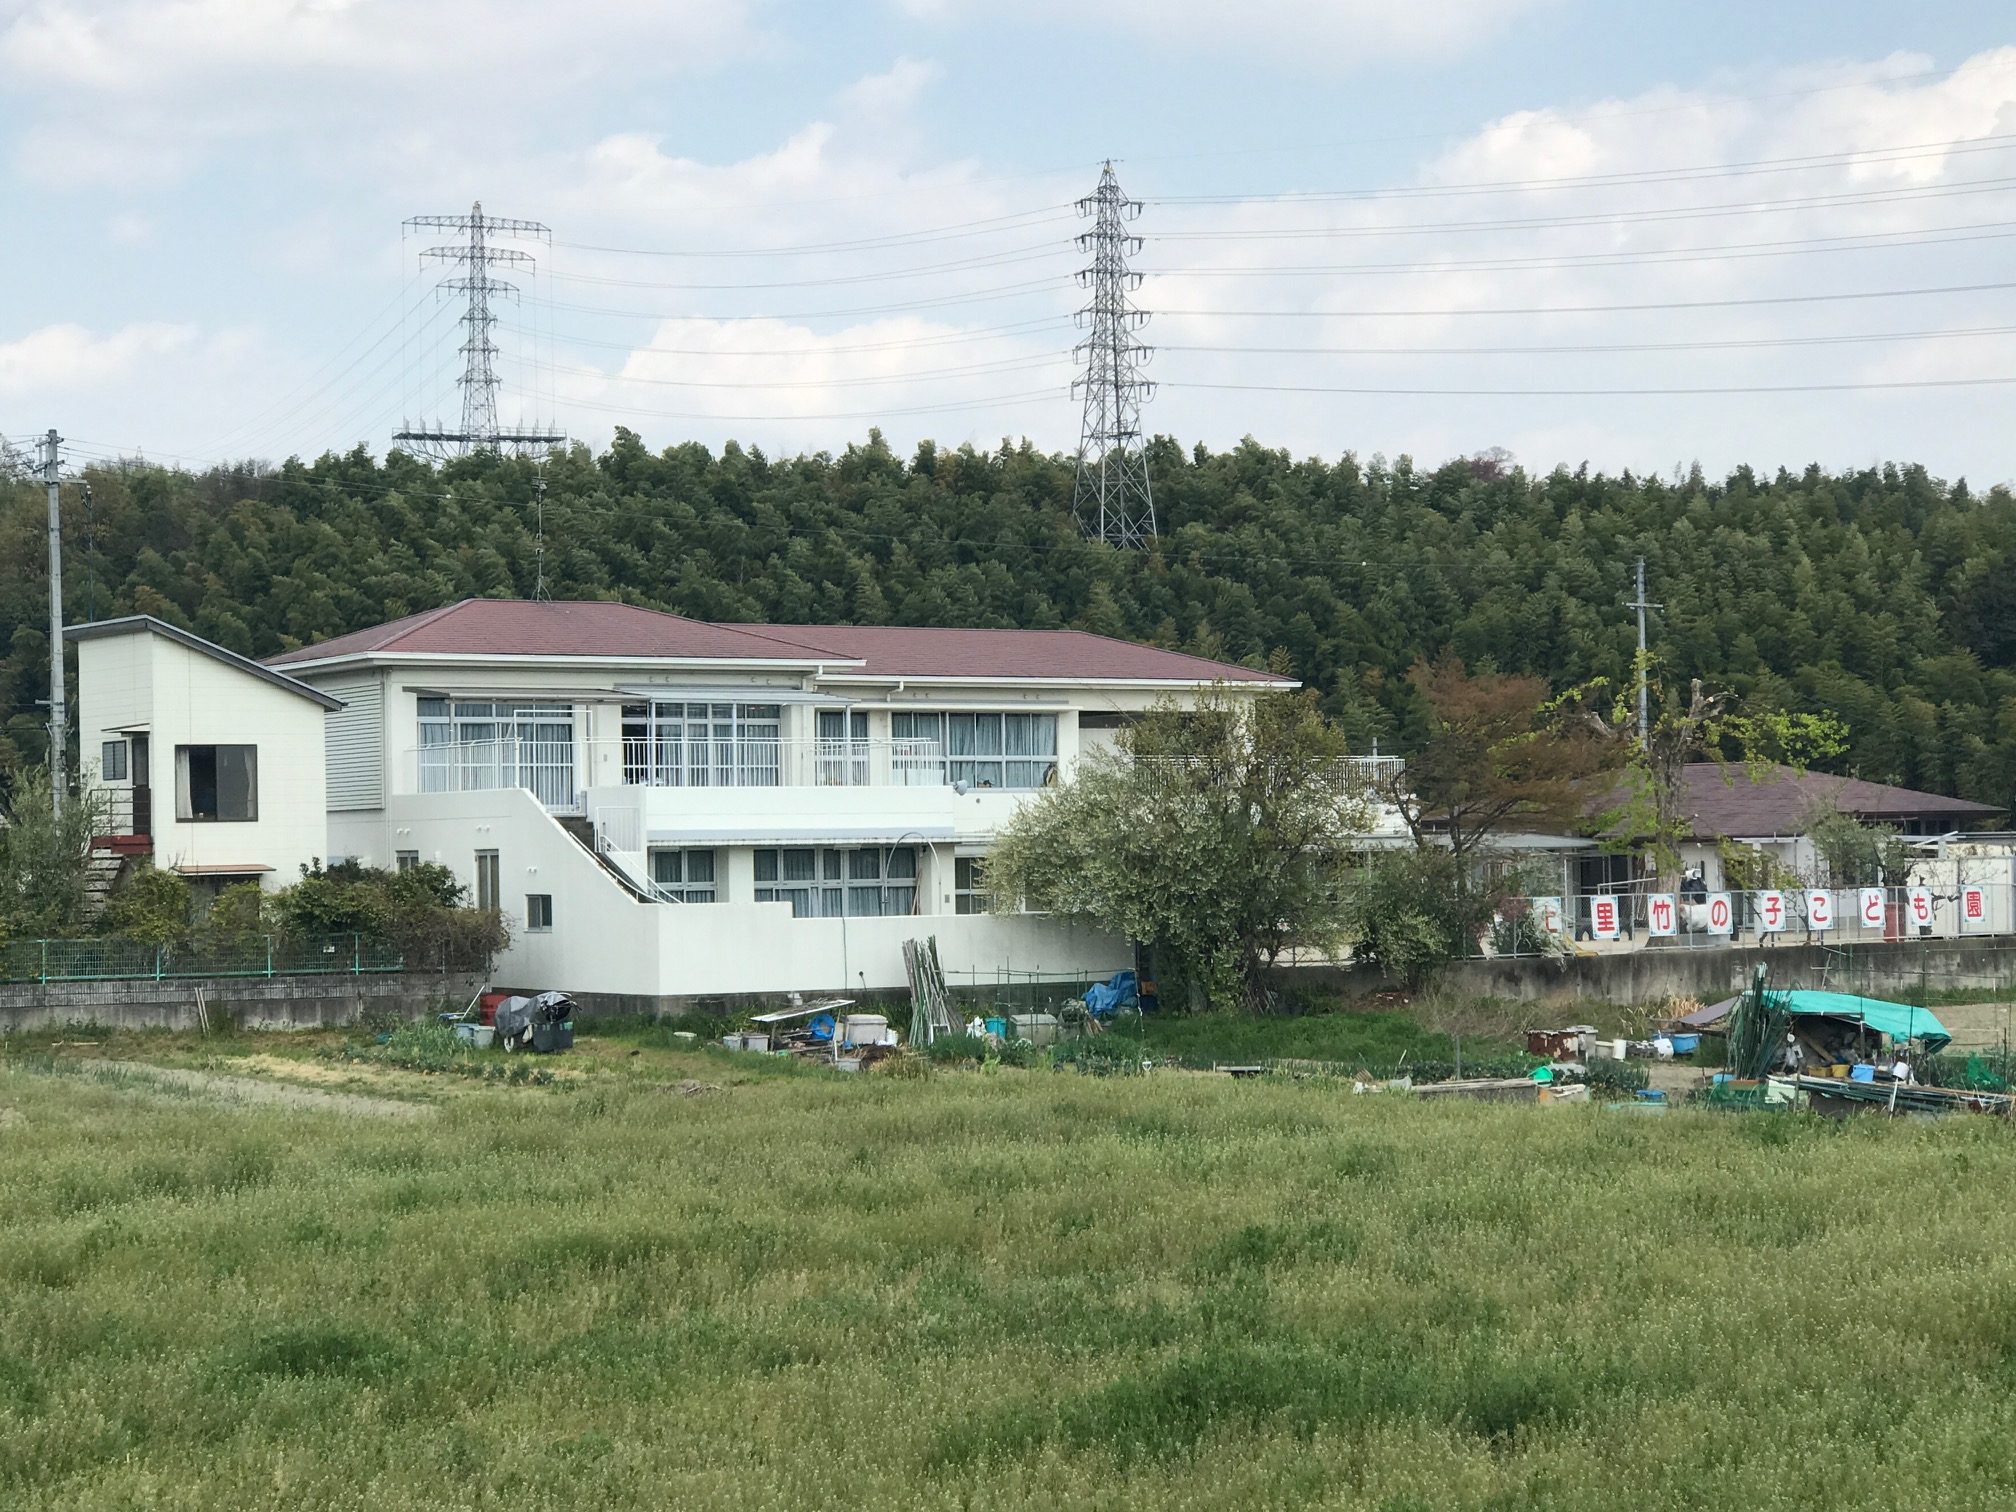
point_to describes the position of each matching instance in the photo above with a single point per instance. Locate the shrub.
(149, 905)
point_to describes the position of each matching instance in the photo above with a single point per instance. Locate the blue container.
(1685, 1044)
(1651, 1095)
(1862, 1073)
(998, 1027)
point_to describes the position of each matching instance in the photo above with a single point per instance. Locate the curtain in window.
(1030, 735)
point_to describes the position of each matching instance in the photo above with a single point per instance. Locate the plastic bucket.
(1686, 1044)
(1862, 1073)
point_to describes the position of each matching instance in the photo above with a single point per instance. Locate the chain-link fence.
(112, 959)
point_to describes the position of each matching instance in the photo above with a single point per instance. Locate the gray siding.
(355, 735)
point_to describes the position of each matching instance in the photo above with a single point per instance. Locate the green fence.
(116, 960)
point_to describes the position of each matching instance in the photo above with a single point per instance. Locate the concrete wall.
(1883, 969)
(305, 1002)
(606, 942)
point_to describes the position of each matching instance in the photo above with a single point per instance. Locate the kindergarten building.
(667, 810)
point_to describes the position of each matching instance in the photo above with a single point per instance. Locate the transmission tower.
(472, 261)
(1112, 501)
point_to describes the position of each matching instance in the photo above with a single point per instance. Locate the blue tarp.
(1104, 999)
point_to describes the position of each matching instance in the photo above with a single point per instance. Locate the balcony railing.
(557, 772)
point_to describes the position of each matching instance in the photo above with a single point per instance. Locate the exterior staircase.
(102, 870)
(584, 835)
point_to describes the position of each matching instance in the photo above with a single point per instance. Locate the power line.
(979, 296)
(1865, 241)
(947, 338)
(1593, 309)
(968, 370)
(1735, 344)
(963, 265)
(1717, 211)
(1623, 178)
(956, 230)
(1585, 118)
(1607, 391)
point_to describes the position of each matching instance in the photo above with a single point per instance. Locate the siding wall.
(355, 739)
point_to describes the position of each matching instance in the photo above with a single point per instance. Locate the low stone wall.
(291, 1002)
(1894, 969)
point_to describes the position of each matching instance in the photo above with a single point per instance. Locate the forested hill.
(1883, 596)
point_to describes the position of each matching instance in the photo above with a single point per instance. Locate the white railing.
(541, 765)
(619, 828)
(740, 762)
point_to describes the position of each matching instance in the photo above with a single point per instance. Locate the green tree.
(43, 859)
(1220, 835)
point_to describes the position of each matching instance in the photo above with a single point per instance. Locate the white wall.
(183, 697)
(603, 940)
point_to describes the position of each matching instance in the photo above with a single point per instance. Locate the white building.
(208, 762)
(669, 810)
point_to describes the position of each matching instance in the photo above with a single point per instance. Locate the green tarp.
(1898, 1020)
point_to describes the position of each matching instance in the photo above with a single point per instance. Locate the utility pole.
(1644, 705)
(59, 717)
(475, 258)
(1111, 499)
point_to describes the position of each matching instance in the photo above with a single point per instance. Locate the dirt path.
(246, 1089)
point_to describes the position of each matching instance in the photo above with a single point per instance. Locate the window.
(842, 756)
(969, 885)
(538, 912)
(488, 892)
(702, 745)
(683, 876)
(112, 761)
(830, 884)
(217, 783)
(917, 749)
(1001, 750)
(469, 746)
(405, 860)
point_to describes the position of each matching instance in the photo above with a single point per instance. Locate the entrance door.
(143, 793)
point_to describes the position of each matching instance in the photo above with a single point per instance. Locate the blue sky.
(205, 254)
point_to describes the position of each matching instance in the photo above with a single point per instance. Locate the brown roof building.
(1725, 801)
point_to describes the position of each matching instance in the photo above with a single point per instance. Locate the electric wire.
(1623, 178)
(958, 230)
(1591, 309)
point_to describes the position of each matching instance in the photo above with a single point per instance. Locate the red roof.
(522, 627)
(518, 627)
(905, 651)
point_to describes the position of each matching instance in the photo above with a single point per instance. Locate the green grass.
(1375, 1039)
(991, 1290)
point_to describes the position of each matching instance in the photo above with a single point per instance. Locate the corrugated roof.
(518, 627)
(1723, 801)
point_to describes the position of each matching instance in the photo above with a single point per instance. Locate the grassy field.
(976, 1290)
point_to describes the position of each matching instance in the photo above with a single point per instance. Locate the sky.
(1637, 236)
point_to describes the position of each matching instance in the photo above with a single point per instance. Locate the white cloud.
(1659, 229)
(1326, 34)
(142, 91)
(893, 91)
(69, 357)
